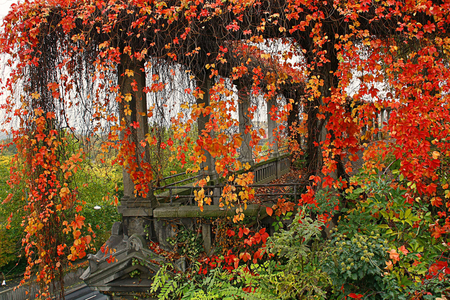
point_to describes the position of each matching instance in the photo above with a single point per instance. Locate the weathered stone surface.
(137, 225)
(207, 238)
(127, 269)
(116, 242)
(164, 231)
(209, 211)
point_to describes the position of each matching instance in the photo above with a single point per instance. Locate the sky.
(4, 7)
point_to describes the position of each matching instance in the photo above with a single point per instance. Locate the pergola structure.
(137, 212)
(128, 237)
(205, 37)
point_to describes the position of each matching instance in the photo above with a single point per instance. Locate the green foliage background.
(99, 184)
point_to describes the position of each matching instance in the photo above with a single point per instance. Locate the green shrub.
(187, 243)
(355, 264)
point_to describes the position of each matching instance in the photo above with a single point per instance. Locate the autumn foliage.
(91, 65)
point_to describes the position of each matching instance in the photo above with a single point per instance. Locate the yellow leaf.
(128, 97)
(436, 154)
(129, 73)
(103, 45)
(64, 191)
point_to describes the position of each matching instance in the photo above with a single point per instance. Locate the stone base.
(125, 268)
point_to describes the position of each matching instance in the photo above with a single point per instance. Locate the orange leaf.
(79, 222)
(64, 191)
(394, 255)
(436, 201)
(436, 155)
(403, 250)
(7, 199)
(245, 256)
(269, 210)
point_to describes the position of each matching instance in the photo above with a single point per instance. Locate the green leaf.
(407, 213)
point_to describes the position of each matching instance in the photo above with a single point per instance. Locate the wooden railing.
(187, 199)
(264, 173)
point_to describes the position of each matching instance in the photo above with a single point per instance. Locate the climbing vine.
(89, 66)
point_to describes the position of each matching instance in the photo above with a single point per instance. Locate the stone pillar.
(271, 127)
(207, 237)
(388, 117)
(382, 123)
(244, 122)
(136, 211)
(208, 166)
(135, 100)
(205, 86)
(376, 126)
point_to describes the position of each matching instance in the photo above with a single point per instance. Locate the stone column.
(376, 126)
(135, 100)
(208, 166)
(207, 238)
(382, 121)
(244, 122)
(271, 127)
(205, 86)
(136, 211)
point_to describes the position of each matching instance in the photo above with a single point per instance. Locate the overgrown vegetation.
(181, 82)
(379, 249)
(97, 189)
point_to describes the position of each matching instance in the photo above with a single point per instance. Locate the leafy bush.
(101, 220)
(355, 264)
(295, 270)
(187, 243)
(383, 203)
(11, 212)
(327, 201)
